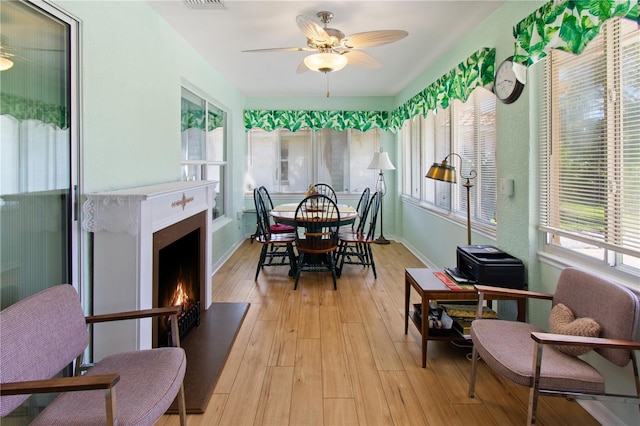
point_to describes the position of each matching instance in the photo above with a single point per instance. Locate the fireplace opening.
(178, 279)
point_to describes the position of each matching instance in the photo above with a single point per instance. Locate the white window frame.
(422, 145)
(204, 164)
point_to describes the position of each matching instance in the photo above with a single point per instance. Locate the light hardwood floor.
(316, 356)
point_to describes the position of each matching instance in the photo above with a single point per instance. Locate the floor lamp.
(381, 162)
(447, 173)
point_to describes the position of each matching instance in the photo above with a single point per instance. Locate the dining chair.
(326, 189)
(318, 222)
(354, 248)
(277, 248)
(589, 313)
(275, 227)
(361, 208)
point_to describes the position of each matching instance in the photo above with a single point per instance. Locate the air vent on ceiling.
(204, 4)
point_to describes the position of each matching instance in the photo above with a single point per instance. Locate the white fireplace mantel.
(123, 223)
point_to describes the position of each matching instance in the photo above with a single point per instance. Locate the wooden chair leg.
(299, 268)
(182, 407)
(332, 266)
(369, 252)
(263, 256)
(292, 260)
(110, 402)
(342, 249)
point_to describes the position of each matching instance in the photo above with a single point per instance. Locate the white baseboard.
(600, 413)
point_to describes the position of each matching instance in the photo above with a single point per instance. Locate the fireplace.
(178, 275)
(127, 226)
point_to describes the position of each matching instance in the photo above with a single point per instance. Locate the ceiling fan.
(10, 54)
(333, 49)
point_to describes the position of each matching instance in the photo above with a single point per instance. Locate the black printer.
(483, 264)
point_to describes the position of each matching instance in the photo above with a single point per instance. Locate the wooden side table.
(429, 287)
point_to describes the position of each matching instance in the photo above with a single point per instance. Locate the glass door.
(37, 147)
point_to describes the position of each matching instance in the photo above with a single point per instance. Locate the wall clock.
(506, 86)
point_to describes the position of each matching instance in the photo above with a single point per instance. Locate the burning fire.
(180, 296)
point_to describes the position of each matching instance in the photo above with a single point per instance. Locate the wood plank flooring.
(316, 356)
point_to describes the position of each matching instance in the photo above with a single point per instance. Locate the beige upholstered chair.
(42, 334)
(526, 355)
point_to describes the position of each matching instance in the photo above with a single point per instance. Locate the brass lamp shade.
(442, 171)
(447, 173)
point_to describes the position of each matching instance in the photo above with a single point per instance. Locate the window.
(590, 152)
(285, 161)
(468, 129)
(204, 135)
(39, 141)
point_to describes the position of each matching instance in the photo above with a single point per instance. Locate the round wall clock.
(506, 86)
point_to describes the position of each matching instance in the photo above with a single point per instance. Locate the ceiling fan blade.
(281, 49)
(361, 59)
(373, 38)
(312, 30)
(302, 68)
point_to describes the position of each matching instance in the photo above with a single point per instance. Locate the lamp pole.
(382, 188)
(468, 185)
(381, 162)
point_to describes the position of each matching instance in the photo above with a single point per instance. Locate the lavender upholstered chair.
(515, 349)
(44, 333)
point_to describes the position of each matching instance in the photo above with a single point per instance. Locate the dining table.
(286, 214)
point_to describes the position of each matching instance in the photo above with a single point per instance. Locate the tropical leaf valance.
(270, 120)
(567, 25)
(194, 119)
(29, 109)
(476, 71)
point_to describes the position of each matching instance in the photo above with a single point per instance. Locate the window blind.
(590, 159)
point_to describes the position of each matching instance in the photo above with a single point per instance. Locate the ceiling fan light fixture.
(5, 63)
(326, 62)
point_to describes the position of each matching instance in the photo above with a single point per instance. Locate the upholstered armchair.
(44, 333)
(589, 313)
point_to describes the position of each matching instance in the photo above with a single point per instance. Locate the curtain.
(567, 25)
(35, 156)
(24, 108)
(194, 119)
(269, 120)
(476, 71)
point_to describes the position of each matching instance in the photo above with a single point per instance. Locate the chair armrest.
(144, 313)
(501, 291)
(61, 384)
(595, 342)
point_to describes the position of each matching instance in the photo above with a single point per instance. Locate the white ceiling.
(220, 35)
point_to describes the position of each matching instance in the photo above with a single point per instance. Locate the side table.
(429, 287)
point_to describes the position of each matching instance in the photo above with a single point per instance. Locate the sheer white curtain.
(34, 156)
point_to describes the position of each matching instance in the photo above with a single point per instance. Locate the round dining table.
(285, 213)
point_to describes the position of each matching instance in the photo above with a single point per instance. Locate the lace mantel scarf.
(112, 213)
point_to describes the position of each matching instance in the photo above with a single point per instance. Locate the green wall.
(133, 64)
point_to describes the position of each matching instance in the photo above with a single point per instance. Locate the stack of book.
(463, 314)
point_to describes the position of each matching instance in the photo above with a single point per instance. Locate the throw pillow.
(563, 321)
